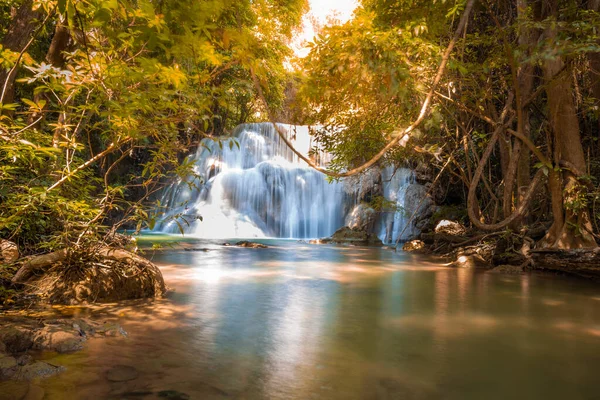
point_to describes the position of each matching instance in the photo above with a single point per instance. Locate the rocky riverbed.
(26, 342)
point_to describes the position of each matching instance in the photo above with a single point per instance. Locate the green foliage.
(140, 83)
(366, 79)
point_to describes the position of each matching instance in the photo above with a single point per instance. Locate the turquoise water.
(299, 321)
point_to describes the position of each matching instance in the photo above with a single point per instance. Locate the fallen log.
(581, 262)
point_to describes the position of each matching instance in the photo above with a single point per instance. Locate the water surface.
(299, 321)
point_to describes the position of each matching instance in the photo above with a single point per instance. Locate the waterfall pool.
(299, 321)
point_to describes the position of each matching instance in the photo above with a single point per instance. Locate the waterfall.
(393, 224)
(253, 185)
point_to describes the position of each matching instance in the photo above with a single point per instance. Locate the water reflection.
(300, 322)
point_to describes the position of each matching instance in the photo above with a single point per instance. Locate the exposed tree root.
(103, 274)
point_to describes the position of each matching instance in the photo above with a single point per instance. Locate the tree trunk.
(572, 227)
(19, 32)
(527, 39)
(594, 58)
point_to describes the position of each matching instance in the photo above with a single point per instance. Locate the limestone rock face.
(9, 252)
(364, 186)
(424, 173)
(418, 202)
(361, 218)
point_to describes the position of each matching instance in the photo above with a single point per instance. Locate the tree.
(490, 98)
(111, 94)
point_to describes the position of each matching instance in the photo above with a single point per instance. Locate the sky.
(320, 10)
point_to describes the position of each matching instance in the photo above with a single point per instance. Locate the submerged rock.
(252, 245)
(38, 369)
(8, 367)
(58, 338)
(122, 373)
(16, 339)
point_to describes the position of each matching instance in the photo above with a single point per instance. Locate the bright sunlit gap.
(322, 13)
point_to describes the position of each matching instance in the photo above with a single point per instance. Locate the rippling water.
(296, 321)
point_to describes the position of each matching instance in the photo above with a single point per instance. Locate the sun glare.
(322, 13)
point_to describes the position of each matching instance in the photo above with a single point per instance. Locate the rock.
(470, 261)
(195, 249)
(83, 327)
(24, 359)
(7, 362)
(424, 173)
(9, 252)
(364, 186)
(252, 245)
(59, 339)
(111, 329)
(122, 373)
(361, 218)
(16, 339)
(38, 369)
(414, 246)
(479, 256)
(450, 228)
(347, 235)
(8, 367)
(507, 269)
(418, 201)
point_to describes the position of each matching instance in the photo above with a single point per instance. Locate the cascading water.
(261, 189)
(253, 185)
(394, 224)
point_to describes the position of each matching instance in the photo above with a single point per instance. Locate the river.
(300, 321)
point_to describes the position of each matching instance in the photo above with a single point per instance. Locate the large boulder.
(361, 218)
(347, 235)
(419, 205)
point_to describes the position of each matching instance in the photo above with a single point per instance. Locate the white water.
(394, 224)
(261, 189)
